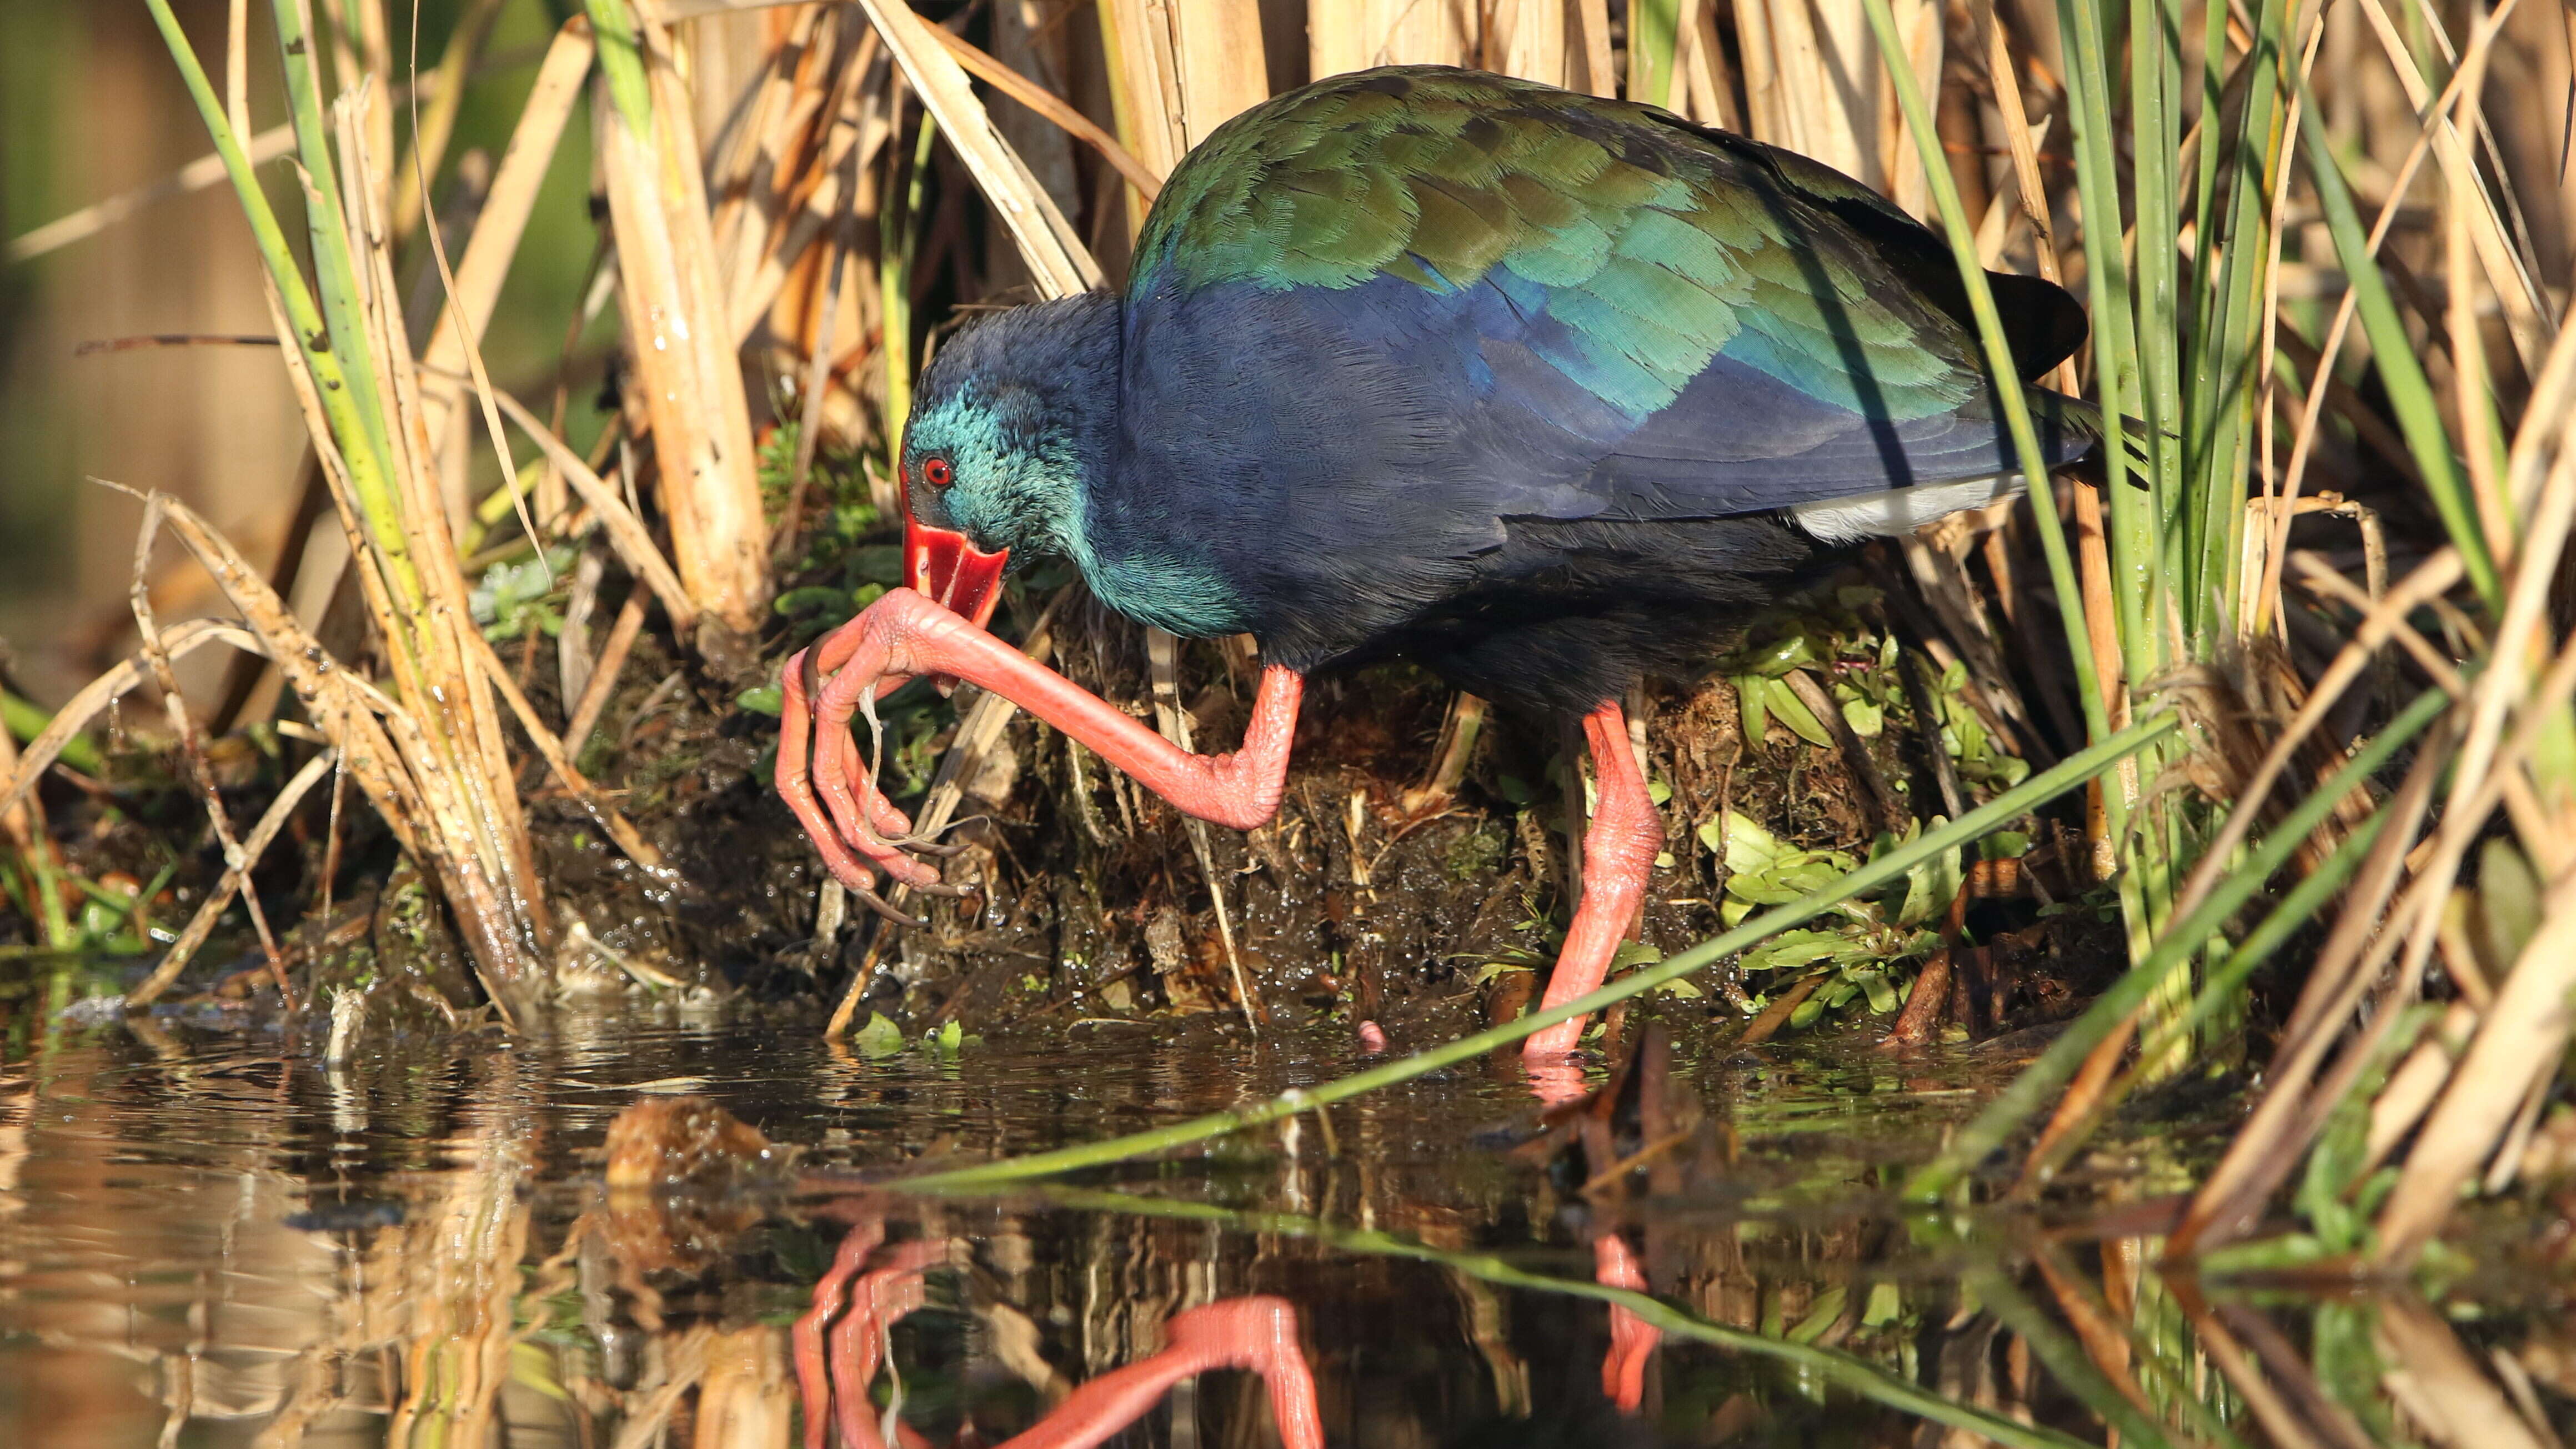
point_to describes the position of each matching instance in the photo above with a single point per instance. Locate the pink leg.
(903, 635)
(1632, 1339)
(1256, 1333)
(1618, 855)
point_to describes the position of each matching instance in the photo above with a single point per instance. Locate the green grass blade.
(1846, 1371)
(2115, 339)
(313, 336)
(335, 270)
(2039, 1082)
(2067, 775)
(621, 59)
(2218, 991)
(1981, 302)
(1654, 39)
(2155, 112)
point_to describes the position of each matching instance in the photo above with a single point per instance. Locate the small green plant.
(1861, 945)
(516, 597)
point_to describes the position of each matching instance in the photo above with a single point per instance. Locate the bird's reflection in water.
(841, 1344)
(684, 1178)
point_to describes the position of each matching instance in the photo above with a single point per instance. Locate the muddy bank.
(1381, 892)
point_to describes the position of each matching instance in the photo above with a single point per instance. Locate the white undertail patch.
(1895, 512)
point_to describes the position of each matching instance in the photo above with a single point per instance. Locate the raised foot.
(821, 774)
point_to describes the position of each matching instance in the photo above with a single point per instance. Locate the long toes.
(905, 871)
(888, 909)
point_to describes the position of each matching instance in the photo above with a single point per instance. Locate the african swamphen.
(1540, 390)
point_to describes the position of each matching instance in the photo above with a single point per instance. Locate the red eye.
(934, 471)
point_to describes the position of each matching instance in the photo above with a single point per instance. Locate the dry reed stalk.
(626, 533)
(98, 216)
(454, 746)
(1217, 55)
(1147, 182)
(1900, 162)
(1766, 111)
(2527, 313)
(815, 156)
(237, 860)
(2441, 1388)
(1529, 40)
(507, 207)
(685, 366)
(236, 871)
(22, 822)
(28, 765)
(408, 195)
(1057, 260)
(1144, 97)
(1348, 35)
(551, 750)
(1590, 43)
(1162, 663)
(603, 673)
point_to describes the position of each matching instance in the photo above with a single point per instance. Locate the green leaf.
(1792, 949)
(1632, 954)
(1794, 713)
(878, 1039)
(766, 699)
(812, 598)
(1867, 720)
(1881, 991)
(1750, 692)
(1931, 886)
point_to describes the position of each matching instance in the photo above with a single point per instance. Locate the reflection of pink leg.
(1257, 1333)
(904, 634)
(837, 1356)
(878, 1300)
(1618, 857)
(1632, 1339)
(831, 1293)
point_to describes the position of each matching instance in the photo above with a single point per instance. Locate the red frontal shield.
(950, 570)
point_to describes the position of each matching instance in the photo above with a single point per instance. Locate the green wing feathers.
(1652, 245)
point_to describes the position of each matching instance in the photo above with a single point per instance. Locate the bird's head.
(1011, 421)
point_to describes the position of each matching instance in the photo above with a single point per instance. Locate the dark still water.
(208, 1237)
